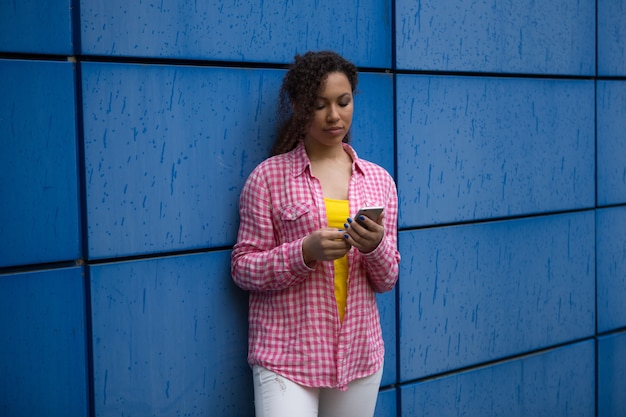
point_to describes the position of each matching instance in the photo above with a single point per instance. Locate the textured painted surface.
(477, 293)
(42, 344)
(526, 36)
(386, 405)
(373, 122)
(611, 35)
(170, 338)
(387, 308)
(261, 31)
(38, 163)
(611, 148)
(167, 150)
(612, 375)
(477, 148)
(554, 383)
(160, 141)
(611, 268)
(36, 26)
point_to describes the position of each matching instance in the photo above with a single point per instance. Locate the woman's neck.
(317, 152)
(332, 167)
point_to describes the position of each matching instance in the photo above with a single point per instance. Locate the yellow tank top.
(338, 212)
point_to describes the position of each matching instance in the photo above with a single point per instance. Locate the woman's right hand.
(325, 244)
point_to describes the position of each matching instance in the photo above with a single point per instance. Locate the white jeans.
(276, 396)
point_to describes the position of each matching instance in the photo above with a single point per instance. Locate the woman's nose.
(333, 114)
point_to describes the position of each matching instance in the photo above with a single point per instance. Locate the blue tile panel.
(30, 26)
(475, 148)
(39, 209)
(611, 268)
(387, 308)
(373, 122)
(559, 382)
(170, 338)
(42, 344)
(167, 150)
(611, 125)
(527, 36)
(269, 31)
(386, 405)
(611, 35)
(160, 141)
(612, 375)
(477, 293)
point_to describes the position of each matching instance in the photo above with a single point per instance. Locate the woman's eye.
(344, 103)
(319, 106)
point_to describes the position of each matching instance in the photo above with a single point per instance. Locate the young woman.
(312, 269)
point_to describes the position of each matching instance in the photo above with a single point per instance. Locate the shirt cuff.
(298, 266)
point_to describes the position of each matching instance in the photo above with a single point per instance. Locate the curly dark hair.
(298, 93)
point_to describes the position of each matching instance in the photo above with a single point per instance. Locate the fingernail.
(361, 218)
(346, 225)
(349, 220)
(346, 236)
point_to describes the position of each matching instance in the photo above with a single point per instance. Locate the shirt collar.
(301, 160)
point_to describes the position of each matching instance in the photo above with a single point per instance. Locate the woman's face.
(332, 114)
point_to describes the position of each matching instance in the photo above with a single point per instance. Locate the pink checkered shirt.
(294, 326)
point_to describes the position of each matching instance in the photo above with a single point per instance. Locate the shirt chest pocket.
(296, 221)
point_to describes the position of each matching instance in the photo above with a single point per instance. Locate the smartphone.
(371, 212)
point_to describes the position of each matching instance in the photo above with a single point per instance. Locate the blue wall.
(128, 129)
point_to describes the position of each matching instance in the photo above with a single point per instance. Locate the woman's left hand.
(364, 233)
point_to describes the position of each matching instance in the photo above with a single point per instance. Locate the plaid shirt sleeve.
(260, 262)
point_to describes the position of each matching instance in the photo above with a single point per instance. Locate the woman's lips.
(334, 130)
